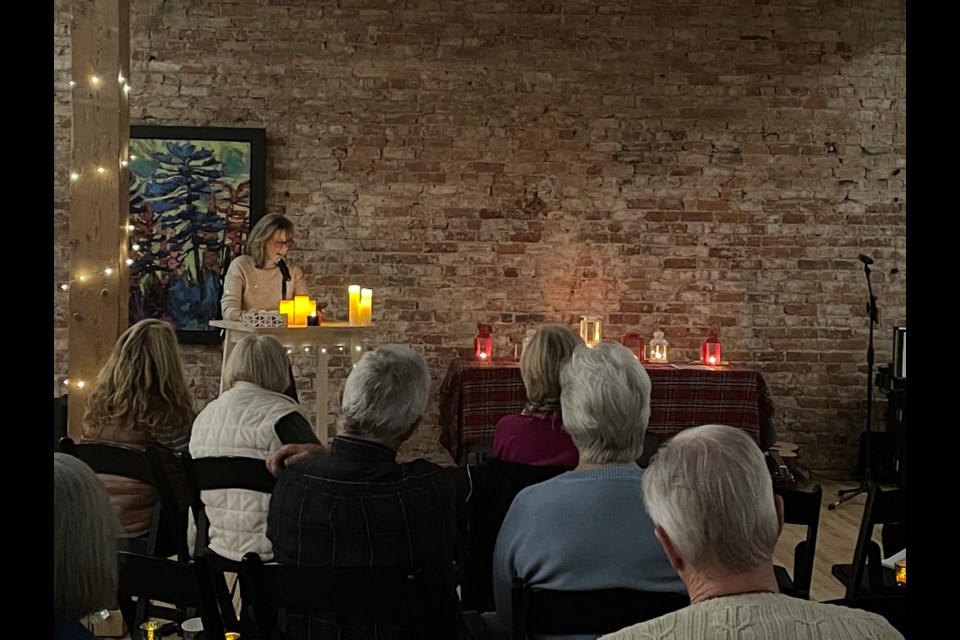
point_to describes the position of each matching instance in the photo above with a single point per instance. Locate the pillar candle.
(366, 306)
(286, 308)
(354, 306)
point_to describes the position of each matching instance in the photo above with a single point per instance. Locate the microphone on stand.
(285, 272)
(864, 259)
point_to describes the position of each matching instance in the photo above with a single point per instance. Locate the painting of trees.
(192, 201)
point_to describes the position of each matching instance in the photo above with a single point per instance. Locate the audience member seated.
(355, 506)
(251, 418)
(587, 529)
(536, 435)
(85, 531)
(711, 498)
(141, 397)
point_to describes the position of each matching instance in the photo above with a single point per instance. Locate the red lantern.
(483, 343)
(710, 351)
(634, 342)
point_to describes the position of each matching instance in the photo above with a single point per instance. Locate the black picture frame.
(195, 192)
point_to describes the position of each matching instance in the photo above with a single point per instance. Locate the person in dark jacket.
(354, 505)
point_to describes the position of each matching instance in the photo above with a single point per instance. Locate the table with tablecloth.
(475, 395)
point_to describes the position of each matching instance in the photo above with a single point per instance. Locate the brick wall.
(677, 165)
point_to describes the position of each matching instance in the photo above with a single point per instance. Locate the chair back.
(548, 612)
(389, 593)
(490, 488)
(800, 507)
(865, 575)
(186, 586)
(167, 534)
(221, 472)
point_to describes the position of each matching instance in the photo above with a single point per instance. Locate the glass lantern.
(591, 330)
(710, 350)
(658, 347)
(483, 343)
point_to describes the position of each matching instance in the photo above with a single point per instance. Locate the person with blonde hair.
(85, 532)
(710, 496)
(251, 418)
(536, 435)
(141, 397)
(259, 279)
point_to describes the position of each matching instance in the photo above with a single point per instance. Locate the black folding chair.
(389, 595)
(221, 472)
(800, 507)
(866, 576)
(549, 612)
(186, 586)
(167, 534)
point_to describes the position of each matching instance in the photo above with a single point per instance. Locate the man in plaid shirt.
(354, 505)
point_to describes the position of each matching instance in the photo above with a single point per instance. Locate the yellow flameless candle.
(297, 310)
(354, 292)
(366, 306)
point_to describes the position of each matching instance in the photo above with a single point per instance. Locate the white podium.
(328, 337)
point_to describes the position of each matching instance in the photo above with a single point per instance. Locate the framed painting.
(194, 194)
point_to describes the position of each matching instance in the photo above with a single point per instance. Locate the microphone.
(865, 259)
(284, 270)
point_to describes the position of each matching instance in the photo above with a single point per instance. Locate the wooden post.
(99, 191)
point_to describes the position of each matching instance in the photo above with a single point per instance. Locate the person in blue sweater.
(587, 528)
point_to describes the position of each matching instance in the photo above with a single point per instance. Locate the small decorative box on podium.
(483, 343)
(658, 347)
(710, 351)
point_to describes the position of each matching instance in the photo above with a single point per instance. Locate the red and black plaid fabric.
(474, 396)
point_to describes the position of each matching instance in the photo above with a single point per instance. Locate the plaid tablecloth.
(474, 396)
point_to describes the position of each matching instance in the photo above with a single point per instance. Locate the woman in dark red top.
(536, 435)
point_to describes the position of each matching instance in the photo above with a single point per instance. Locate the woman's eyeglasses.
(282, 243)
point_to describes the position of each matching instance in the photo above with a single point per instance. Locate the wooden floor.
(836, 539)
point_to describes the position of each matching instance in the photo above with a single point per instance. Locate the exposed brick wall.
(674, 165)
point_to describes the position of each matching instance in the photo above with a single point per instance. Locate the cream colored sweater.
(246, 287)
(762, 616)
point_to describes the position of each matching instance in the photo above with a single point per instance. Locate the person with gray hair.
(587, 529)
(85, 531)
(710, 495)
(251, 418)
(354, 505)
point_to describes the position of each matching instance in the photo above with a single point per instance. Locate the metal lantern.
(591, 330)
(483, 343)
(710, 351)
(635, 343)
(658, 347)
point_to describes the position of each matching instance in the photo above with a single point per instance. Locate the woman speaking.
(258, 280)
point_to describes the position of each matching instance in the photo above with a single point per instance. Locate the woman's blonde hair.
(85, 531)
(540, 362)
(259, 360)
(142, 386)
(262, 232)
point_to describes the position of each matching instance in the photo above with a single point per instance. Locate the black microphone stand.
(866, 481)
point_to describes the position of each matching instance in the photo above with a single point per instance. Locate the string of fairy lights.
(94, 275)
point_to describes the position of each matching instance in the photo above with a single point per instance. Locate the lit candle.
(354, 293)
(297, 310)
(366, 306)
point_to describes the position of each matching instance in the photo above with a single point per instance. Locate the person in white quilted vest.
(251, 418)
